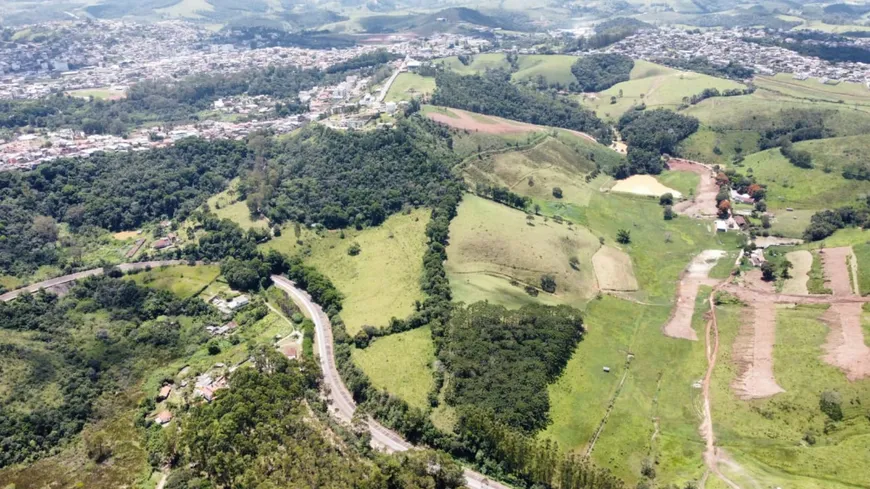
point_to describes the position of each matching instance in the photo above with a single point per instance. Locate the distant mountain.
(445, 20)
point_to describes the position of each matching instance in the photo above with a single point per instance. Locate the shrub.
(623, 236)
(354, 249)
(557, 192)
(548, 283)
(666, 199)
(831, 404)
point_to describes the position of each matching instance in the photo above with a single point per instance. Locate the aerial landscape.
(396, 244)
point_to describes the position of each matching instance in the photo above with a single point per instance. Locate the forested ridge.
(494, 94)
(651, 134)
(597, 72)
(114, 191)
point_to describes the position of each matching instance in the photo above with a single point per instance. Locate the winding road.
(341, 399)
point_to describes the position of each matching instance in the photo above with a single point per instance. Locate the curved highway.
(342, 401)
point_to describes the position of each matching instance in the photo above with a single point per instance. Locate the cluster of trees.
(64, 352)
(336, 179)
(610, 32)
(649, 135)
(367, 60)
(526, 349)
(856, 171)
(597, 72)
(286, 445)
(494, 94)
(503, 195)
(114, 191)
(825, 223)
(701, 64)
(797, 157)
(793, 125)
(527, 459)
(714, 92)
(262, 36)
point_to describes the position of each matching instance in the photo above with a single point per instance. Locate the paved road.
(124, 267)
(342, 401)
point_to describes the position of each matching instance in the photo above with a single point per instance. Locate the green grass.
(182, 280)
(479, 64)
(401, 364)
(658, 386)
(655, 86)
(554, 68)
(383, 281)
(98, 93)
(862, 254)
(816, 276)
(701, 145)
(227, 206)
(410, 85)
(493, 246)
(765, 436)
(684, 182)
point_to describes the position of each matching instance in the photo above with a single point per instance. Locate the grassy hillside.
(495, 252)
(402, 364)
(654, 85)
(227, 206)
(410, 85)
(183, 281)
(379, 283)
(554, 68)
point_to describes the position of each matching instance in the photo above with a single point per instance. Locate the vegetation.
(401, 364)
(493, 94)
(597, 72)
(525, 350)
(650, 134)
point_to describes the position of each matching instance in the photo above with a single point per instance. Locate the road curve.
(124, 267)
(341, 399)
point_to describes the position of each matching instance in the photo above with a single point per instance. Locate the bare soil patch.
(802, 262)
(753, 353)
(481, 123)
(703, 204)
(836, 266)
(125, 235)
(613, 270)
(695, 275)
(845, 347)
(644, 185)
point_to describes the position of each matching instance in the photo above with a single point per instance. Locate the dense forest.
(525, 350)
(494, 94)
(62, 352)
(597, 72)
(649, 135)
(337, 179)
(115, 191)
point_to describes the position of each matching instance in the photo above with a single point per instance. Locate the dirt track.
(464, 120)
(837, 271)
(753, 353)
(703, 204)
(803, 262)
(845, 347)
(695, 275)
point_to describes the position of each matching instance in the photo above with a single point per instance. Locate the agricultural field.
(227, 206)
(98, 93)
(495, 252)
(182, 280)
(654, 85)
(383, 280)
(777, 438)
(402, 364)
(410, 85)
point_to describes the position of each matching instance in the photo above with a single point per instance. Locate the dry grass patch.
(802, 262)
(644, 185)
(613, 270)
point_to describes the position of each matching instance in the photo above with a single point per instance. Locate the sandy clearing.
(845, 347)
(644, 185)
(768, 241)
(125, 235)
(703, 204)
(695, 275)
(613, 270)
(492, 125)
(836, 268)
(802, 261)
(753, 353)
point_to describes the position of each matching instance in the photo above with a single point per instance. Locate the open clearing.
(654, 85)
(98, 93)
(401, 364)
(227, 206)
(460, 119)
(410, 85)
(554, 68)
(838, 275)
(182, 280)
(613, 270)
(125, 235)
(562, 161)
(845, 347)
(753, 354)
(696, 275)
(703, 202)
(644, 185)
(802, 261)
(495, 252)
(383, 281)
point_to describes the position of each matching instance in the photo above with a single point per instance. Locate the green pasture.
(182, 280)
(401, 364)
(407, 86)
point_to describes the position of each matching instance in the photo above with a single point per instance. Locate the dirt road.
(341, 399)
(838, 274)
(703, 204)
(695, 275)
